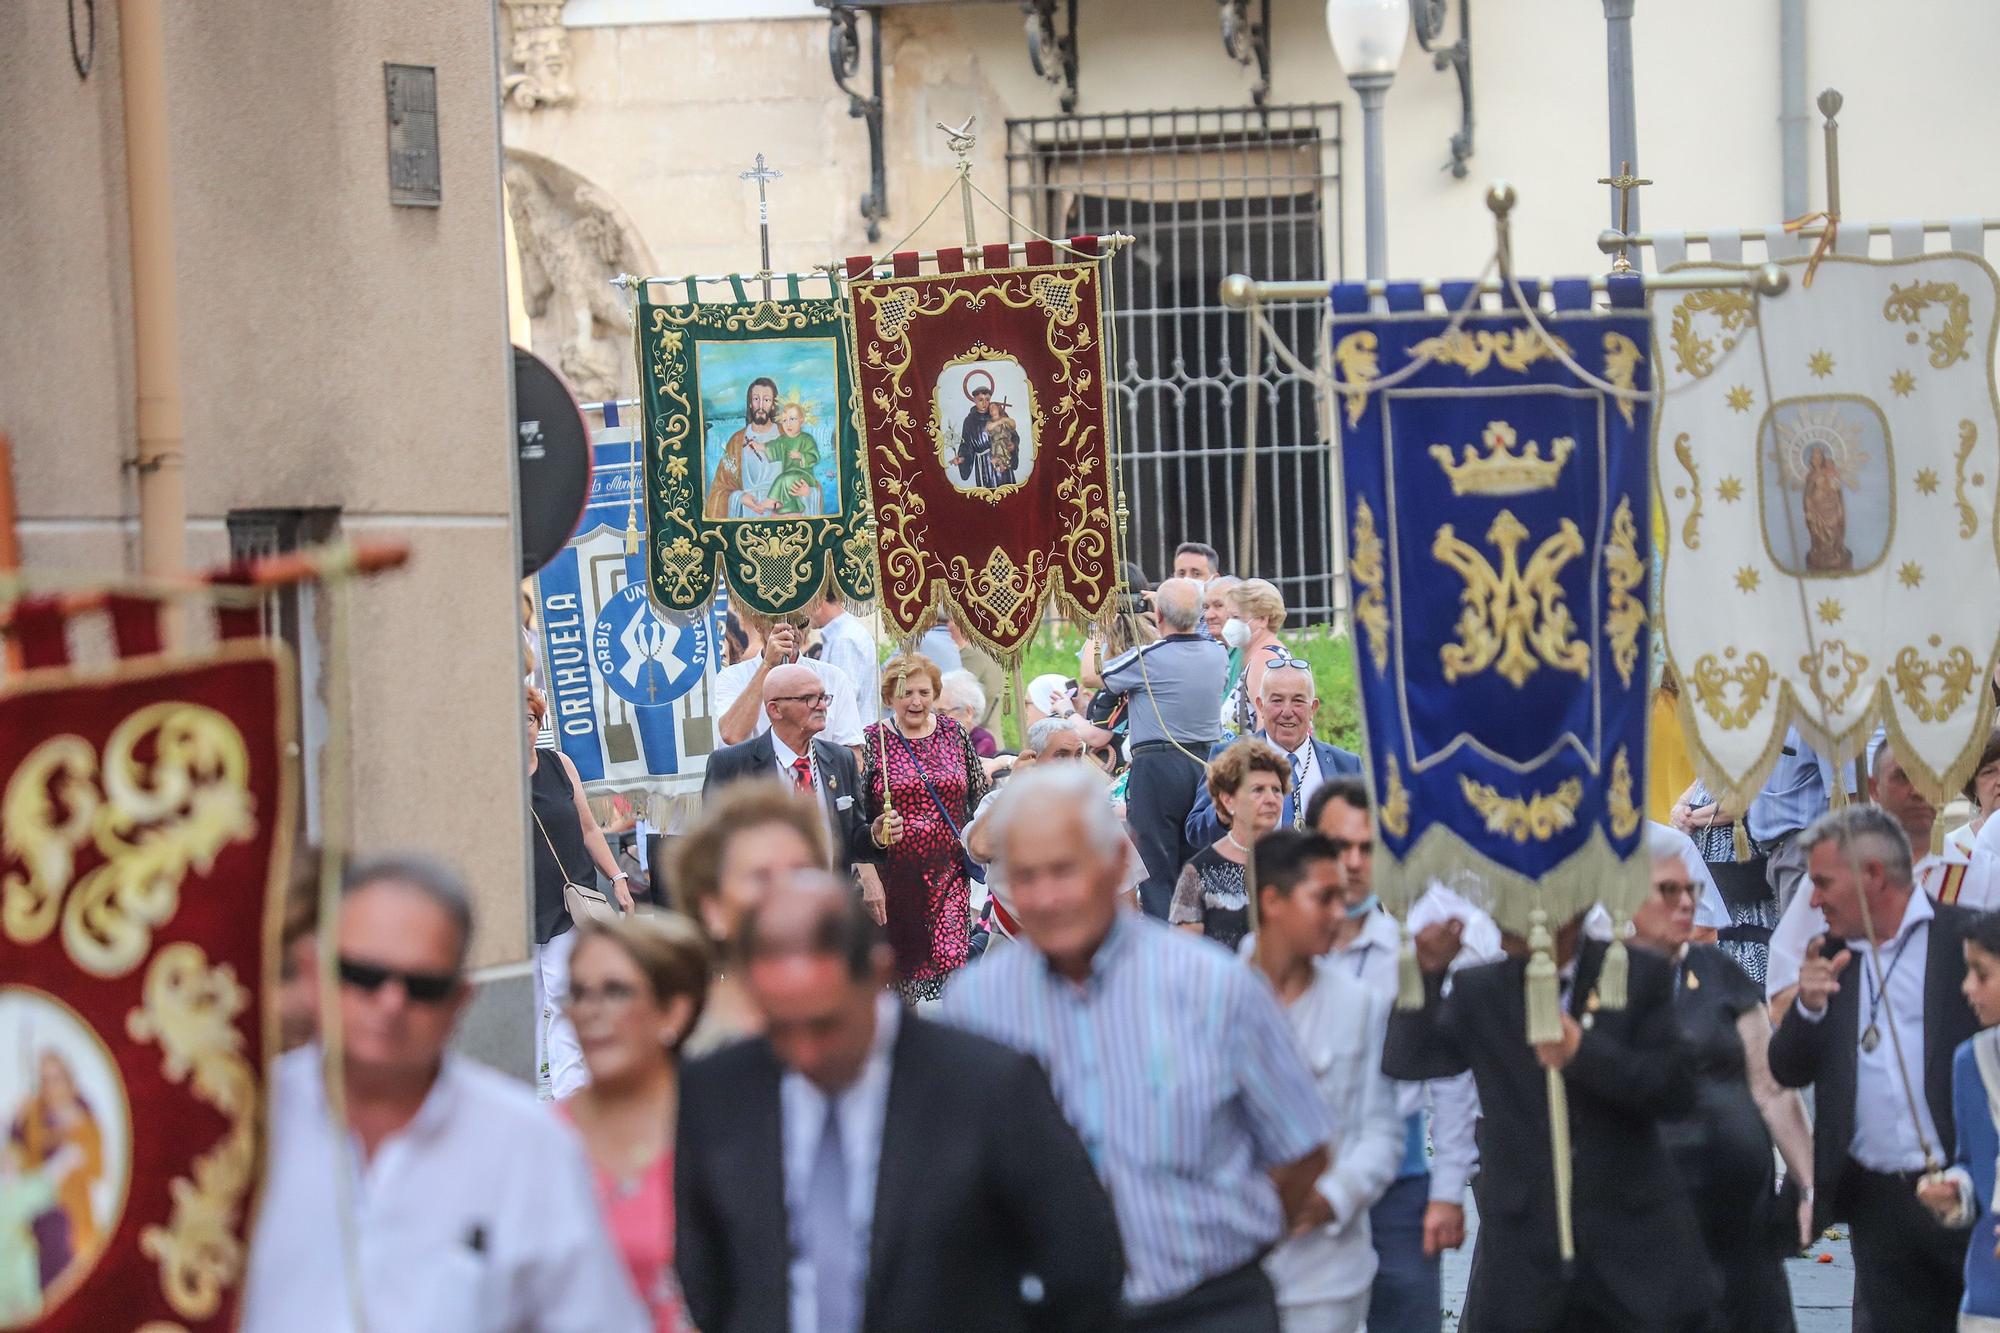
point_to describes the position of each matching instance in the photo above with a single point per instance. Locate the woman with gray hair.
(963, 699)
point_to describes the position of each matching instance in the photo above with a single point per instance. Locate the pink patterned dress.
(639, 1214)
(923, 876)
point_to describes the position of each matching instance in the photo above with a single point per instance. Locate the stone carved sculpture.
(538, 56)
(573, 240)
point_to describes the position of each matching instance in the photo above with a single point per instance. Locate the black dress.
(554, 803)
(1723, 1149)
(1210, 893)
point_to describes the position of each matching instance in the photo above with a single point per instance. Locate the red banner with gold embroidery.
(145, 818)
(984, 421)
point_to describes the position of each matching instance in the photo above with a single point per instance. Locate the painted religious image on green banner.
(769, 426)
(753, 466)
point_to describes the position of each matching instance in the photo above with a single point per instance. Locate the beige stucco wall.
(336, 351)
(668, 113)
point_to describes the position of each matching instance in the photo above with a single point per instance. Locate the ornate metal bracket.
(1053, 54)
(1430, 16)
(1247, 40)
(843, 49)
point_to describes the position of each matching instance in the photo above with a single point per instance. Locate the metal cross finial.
(1624, 183)
(961, 140)
(763, 175)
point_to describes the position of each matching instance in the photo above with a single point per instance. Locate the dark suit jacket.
(840, 775)
(1204, 828)
(981, 1182)
(1637, 1241)
(1823, 1054)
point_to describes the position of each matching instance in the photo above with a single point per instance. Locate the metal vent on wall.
(1206, 193)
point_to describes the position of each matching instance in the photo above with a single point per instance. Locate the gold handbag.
(581, 901)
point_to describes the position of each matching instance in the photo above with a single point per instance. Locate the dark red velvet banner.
(984, 422)
(145, 819)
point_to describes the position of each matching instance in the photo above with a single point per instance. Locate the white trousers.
(558, 1058)
(1345, 1316)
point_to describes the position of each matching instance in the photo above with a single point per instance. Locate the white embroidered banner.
(1827, 464)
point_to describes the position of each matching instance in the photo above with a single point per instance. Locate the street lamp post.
(1368, 38)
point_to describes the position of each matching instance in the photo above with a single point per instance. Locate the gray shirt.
(1175, 686)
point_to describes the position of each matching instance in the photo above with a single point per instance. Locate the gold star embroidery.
(1830, 612)
(1740, 398)
(1911, 573)
(1820, 363)
(1747, 579)
(1902, 382)
(1927, 481)
(1729, 489)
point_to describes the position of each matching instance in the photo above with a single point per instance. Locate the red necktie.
(802, 774)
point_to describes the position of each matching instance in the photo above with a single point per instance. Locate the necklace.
(1230, 834)
(1871, 1036)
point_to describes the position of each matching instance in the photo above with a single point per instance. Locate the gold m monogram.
(1512, 616)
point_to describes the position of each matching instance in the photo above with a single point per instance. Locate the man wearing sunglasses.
(472, 1206)
(1288, 701)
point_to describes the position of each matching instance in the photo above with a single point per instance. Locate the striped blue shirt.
(1176, 1067)
(1795, 794)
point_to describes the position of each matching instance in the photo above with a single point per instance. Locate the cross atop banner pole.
(763, 175)
(1625, 183)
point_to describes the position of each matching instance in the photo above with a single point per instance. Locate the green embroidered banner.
(752, 457)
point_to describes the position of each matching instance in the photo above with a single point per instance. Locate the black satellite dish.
(551, 457)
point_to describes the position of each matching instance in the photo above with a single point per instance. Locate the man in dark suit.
(1875, 1037)
(1287, 702)
(858, 1168)
(1639, 1257)
(791, 752)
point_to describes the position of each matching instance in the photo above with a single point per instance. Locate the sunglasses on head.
(421, 987)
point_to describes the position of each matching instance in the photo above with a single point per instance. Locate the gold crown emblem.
(1502, 471)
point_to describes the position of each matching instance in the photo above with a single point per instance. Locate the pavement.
(1822, 1293)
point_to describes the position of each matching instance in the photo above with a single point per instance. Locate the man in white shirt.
(1422, 1214)
(1323, 1272)
(1873, 1031)
(845, 644)
(472, 1206)
(739, 690)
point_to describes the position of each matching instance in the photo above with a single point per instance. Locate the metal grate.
(415, 171)
(1207, 193)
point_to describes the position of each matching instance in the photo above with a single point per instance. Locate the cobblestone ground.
(1822, 1293)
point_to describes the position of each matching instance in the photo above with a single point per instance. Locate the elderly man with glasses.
(471, 1206)
(1288, 701)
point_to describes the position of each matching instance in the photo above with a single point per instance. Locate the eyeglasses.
(823, 700)
(612, 995)
(1286, 661)
(421, 987)
(1671, 889)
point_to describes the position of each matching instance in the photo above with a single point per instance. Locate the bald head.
(796, 702)
(814, 961)
(1178, 603)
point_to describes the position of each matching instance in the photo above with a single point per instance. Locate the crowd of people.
(1113, 1032)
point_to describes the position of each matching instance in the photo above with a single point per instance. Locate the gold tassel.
(1937, 835)
(1611, 982)
(631, 534)
(1409, 977)
(1741, 836)
(1544, 998)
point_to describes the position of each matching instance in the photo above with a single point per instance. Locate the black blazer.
(1823, 1054)
(1637, 1241)
(981, 1182)
(840, 775)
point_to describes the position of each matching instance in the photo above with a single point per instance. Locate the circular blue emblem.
(644, 658)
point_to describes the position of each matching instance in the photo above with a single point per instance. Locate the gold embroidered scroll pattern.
(1618, 799)
(1502, 471)
(1968, 517)
(1693, 353)
(774, 559)
(1355, 355)
(1833, 672)
(1907, 304)
(1371, 608)
(1953, 672)
(1691, 529)
(1624, 572)
(1514, 349)
(1621, 366)
(1540, 816)
(1003, 589)
(1715, 681)
(190, 1009)
(152, 820)
(1396, 802)
(1512, 616)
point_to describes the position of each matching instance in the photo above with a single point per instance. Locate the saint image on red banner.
(984, 423)
(145, 818)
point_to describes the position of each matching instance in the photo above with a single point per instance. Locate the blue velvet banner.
(1499, 537)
